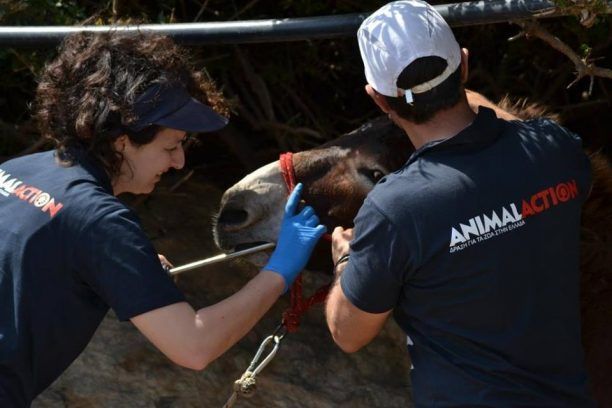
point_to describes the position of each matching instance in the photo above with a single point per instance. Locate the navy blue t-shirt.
(69, 250)
(475, 245)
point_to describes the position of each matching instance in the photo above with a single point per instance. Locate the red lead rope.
(286, 167)
(292, 316)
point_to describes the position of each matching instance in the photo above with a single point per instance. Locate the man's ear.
(378, 99)
(464, 65)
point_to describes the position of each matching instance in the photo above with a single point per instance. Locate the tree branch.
(584, 66)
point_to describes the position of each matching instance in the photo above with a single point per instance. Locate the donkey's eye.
(373, 174)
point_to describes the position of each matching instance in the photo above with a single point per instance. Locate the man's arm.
(194, 339)
(350, 327)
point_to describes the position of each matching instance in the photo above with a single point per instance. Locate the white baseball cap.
(397, 34)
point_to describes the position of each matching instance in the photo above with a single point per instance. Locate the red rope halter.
(292, 316)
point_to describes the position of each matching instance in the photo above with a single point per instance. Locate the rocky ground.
(120, 368)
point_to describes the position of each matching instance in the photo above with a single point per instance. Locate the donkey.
(337, 177)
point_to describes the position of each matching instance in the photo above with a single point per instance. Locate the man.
(118, 108)
(473, 244)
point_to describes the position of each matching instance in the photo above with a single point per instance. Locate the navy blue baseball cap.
(170, 105)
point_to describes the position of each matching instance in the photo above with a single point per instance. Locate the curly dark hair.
(85, 96)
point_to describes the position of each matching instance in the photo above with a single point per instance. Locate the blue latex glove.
(298, 235)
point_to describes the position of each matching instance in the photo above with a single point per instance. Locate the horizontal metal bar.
(289, 29)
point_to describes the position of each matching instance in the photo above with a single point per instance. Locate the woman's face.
(143, 165)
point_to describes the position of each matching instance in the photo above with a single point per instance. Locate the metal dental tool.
(219, 258)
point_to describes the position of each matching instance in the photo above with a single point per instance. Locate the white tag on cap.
(408, 96)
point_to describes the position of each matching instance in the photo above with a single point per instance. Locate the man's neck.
(443, 125)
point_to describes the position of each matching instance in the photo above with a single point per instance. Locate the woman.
(118, 108)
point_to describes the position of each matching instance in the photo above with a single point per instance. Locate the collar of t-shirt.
(485, 129)
(93, 167)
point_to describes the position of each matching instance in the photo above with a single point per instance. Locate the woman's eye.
(187, 139)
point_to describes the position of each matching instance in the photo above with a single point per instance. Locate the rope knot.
(246, 385)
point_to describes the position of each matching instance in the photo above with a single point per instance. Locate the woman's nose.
(178, 158)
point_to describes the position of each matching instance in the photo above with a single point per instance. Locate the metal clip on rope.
(246, 385)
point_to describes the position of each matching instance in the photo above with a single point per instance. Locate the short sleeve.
(576, 159)
(581, 164)
(118, 261)
(379, 262)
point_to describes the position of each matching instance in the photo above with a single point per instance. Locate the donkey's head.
(336, 176)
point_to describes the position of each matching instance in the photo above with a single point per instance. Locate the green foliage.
(585, 50)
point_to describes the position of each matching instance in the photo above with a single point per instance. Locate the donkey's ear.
(379, 99)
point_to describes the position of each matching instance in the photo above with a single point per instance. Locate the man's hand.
(298, 235)
(341, 239)
(350, 327)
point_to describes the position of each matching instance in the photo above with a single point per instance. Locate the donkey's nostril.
(232, 216)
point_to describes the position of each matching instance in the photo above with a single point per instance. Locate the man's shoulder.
(400, 194)
(544, 131)
(415, 183)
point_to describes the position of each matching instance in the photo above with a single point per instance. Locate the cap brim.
(194, 116)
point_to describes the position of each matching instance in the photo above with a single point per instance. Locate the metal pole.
(289, 29)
